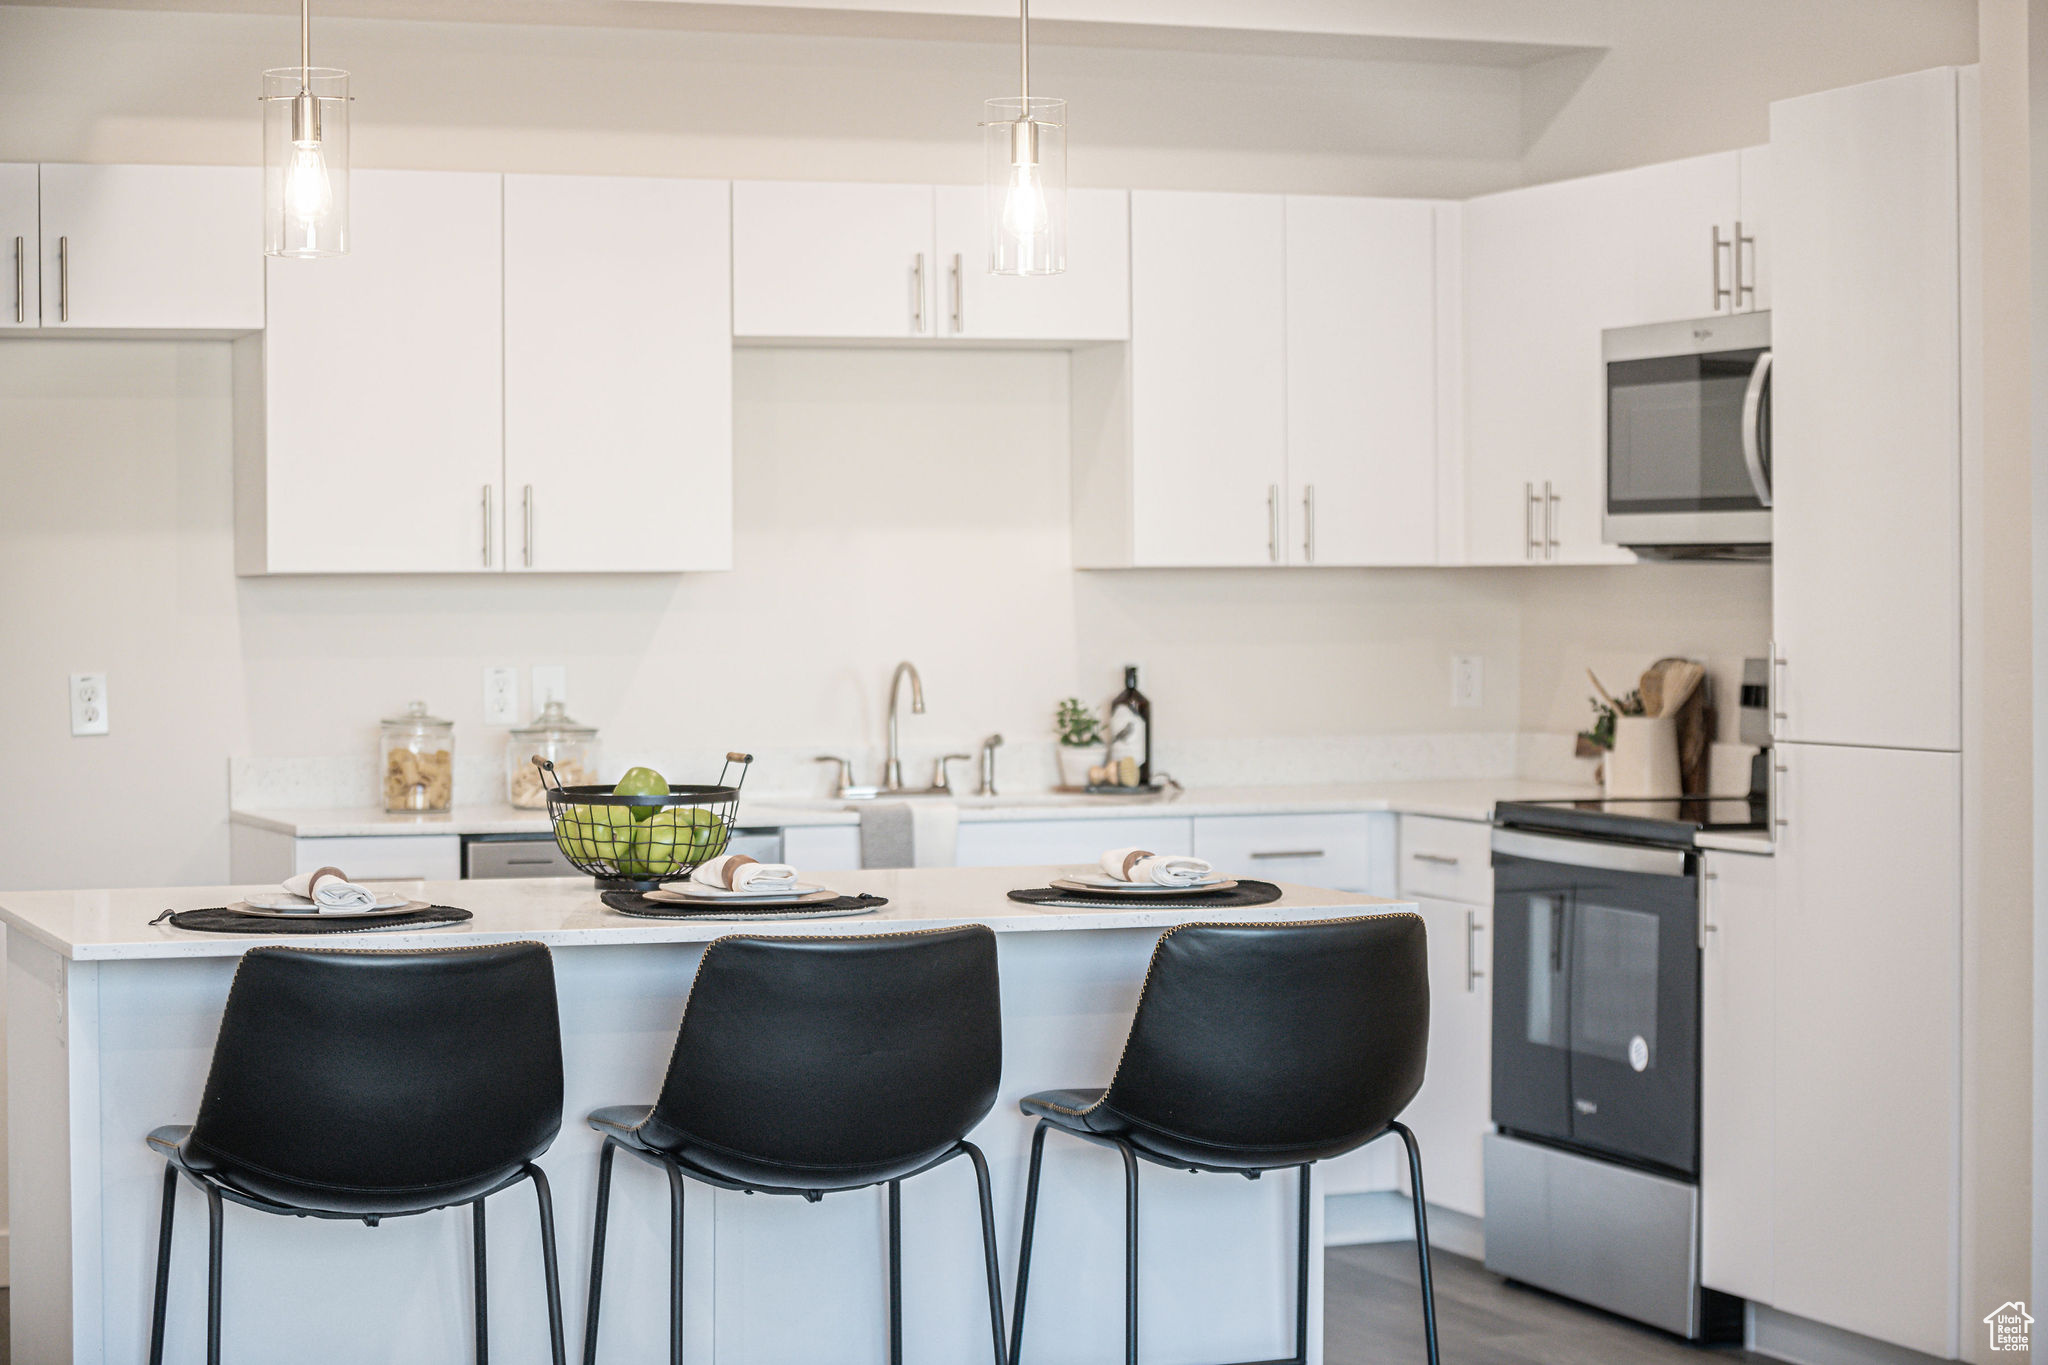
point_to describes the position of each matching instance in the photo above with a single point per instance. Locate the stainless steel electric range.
(1592, 1177)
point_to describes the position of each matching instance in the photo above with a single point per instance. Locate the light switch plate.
(501, 696)
(1466, 675)
(88, 703)
(550, 683)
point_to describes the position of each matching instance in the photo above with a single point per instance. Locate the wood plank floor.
(1372, 1315)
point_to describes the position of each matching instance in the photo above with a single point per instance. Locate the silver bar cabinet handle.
(1290, 853)
(488, 536)
(959, 290)
(1550, 501)
(20, 279)
(1776, 699)
(1735, 255)
(527, 500)
(1273, 522)
(1440, 859)
(1531, 546)
(1777, 797)
(1308, 523)
(1473, 971)
(917, 295)
(63, 279)
(1721, 291)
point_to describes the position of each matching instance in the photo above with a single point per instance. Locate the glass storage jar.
(571, 747)
(419, 761)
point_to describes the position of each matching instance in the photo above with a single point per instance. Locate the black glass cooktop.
(1674, 820)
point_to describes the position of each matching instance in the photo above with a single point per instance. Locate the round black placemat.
(1243, 894)
(222, 919)
(633, 903)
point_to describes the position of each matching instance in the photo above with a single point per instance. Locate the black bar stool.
(812, 1065)
(1256, 1047)
(372, 1085)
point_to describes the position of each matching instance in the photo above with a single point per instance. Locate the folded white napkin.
(738, 872)
(1143, 865)
(329, 889)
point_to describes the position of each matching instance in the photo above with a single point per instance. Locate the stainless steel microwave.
(1689, 437)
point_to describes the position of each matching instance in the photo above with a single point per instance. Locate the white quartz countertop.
(565, 912)
(1455, 799)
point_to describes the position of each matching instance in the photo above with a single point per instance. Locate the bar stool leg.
(604, 1204)
(213, 1257)
(548, 1264)
(163, 1267)
(1301, 1277)
(1421, 1237)
(675, 1262)
(483, 1317)
(1024, 1251)
(988, 1247)
(895, 1273)
(1130, 1253)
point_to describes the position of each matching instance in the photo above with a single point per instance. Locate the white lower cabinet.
(1033, 843)
(1738, 982)
(1326, 850)
(1452, 1113)
(1868, 1033)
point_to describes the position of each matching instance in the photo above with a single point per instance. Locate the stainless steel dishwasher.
(536, 855)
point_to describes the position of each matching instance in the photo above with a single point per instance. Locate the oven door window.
(1674, 434)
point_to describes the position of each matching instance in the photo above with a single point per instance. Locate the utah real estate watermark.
(2008, 1324)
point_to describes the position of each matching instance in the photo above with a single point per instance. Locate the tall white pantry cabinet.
(1834, 1191)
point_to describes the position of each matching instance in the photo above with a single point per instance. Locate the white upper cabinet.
(1547, 269)
(376, 442)
(20, 296)
(618, 374)
(1867, 483)
(1090, 301)
(152, 247)
(1361, 381)
(1208, 378)
(833, 260)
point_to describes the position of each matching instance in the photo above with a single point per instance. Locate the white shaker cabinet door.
(1671, 236)
(618, 374)
(21, 262)
(382, 385)
(1208, 379)
(1738, 973)
(1361, 381)
(1867, 476)
(1452, 1113)
(1868, 1034)
(1753, 270)
(153, 247)
(1089, 301)
(832, 260)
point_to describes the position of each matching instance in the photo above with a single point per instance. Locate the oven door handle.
(1546, 848)
(1753, 428)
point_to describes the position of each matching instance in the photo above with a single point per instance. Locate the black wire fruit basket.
(635, 843)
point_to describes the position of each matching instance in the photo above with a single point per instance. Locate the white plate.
(286, 903)
(398, 907)
(699, 891)
(1109, 886)
(806, 895)
(1104, 882)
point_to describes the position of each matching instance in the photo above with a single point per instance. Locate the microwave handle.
(1752, 428)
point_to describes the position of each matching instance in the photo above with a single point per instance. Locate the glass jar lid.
(416, 721)
(553, 723)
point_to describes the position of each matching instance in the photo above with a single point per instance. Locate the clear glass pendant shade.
(1026, 197)
(305, 161)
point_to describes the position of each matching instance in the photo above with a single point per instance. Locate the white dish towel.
(1143, 865)
(329, 889)
(738, 872)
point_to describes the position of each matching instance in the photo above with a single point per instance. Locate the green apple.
(641, 782)
(596, 834)
(672, 837)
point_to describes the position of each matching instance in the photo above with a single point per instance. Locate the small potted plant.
(1081, 743)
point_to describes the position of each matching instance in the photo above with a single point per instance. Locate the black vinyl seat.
(1256, 1047)
(812, 1065)
(371, 1085)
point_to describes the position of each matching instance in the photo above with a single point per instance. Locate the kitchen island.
(111, 1022)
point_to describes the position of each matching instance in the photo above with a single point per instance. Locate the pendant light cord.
(1023, 52)
(305, 47)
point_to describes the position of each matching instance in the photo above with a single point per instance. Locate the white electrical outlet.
(501, 696)
(1466, 674)
(550, 683)
(88, 703)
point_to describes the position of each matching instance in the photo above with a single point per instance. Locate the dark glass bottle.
(1130, 726)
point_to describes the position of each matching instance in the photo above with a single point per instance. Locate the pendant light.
(1026, 146)
(305, 155)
